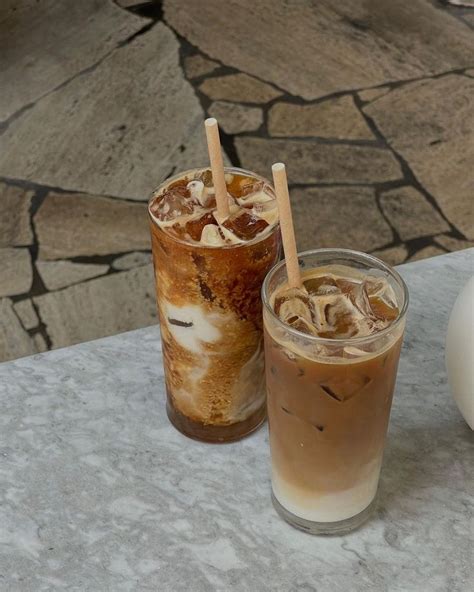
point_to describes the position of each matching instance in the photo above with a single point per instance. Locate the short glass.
(328, 404)
(210, 313)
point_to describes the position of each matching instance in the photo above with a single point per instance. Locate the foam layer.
(337, 302)
(186, 209)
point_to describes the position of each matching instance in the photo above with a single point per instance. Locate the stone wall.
(371, 111)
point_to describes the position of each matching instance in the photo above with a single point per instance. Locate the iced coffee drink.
(209, 272)
(331, 348)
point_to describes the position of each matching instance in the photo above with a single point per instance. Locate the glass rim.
(345, 340)
(227, 169)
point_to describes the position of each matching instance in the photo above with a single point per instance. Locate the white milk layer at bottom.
(331, 506)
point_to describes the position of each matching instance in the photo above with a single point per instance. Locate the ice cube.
(195, 226)
(346, 286)
(212, 235)
(375, 285)
(324, 284)
(196, 190)
(172, 204)
(301, 324)
(343, 320)
(202, 192)
(244, 225)
(249, 187)
(210, 199)
(293, 301)
(206, 178)
(241, 186)
(178, 183)
(294, 308)
(381, 298)
(267, 210)
(382, 309)
(359, 298)
(335, 316)
(342, 388)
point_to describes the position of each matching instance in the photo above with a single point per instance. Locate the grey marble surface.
(98, 492)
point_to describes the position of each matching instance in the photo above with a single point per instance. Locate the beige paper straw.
(286, 224)
(217, 166)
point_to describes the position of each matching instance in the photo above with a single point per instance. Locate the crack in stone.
(396, 237)
(227, 140)
(33, 185)
(152, 9)
(132, 37)
(376, 143)
(287, 96)
(4, 125)
(223, 69)
(407, 172)
(390, 245)
(40, 328)
(417, 244)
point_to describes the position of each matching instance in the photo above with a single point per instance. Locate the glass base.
(217, 434)
(325, 528)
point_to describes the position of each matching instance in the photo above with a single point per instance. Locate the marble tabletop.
(99, 493)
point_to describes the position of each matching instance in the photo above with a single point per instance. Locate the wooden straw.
(217, 166)
(286, 224)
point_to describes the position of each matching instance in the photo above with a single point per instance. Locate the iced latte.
(332, 348)
(209, 272)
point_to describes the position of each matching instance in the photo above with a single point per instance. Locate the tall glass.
(329, 403)
(211, 327)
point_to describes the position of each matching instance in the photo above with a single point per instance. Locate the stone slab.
(104, 495)
(14, 340)
(129, 3)
(453, 244)
(468, 17)
(117, 130)
(234, 118)
(15, 226)
(371, 94)
(240, 88)
(336, 118)
(40, 343)
(437, 142)
(345, 217)
(131, 260)
(426, 252)
(16, 273)
(313, 162)
(103, 306)
(312, 51)
(52, 41)
(197, 65)
(411, 214)
(26, 313)
(392, 255)
(73, 225)
(59, 274)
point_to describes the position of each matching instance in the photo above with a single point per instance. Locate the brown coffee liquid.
(210, 319)
(327, 421)
(329, 403)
